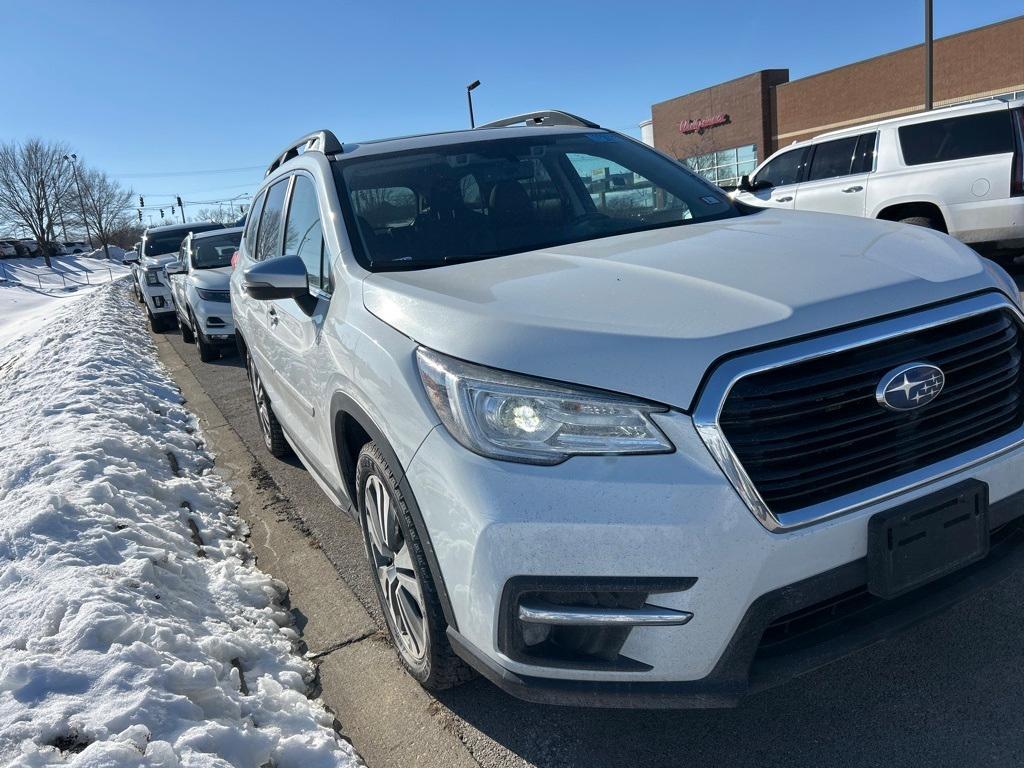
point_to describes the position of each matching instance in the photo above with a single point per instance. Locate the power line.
(189, 173)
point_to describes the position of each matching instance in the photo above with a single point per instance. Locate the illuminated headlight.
(517, 418)
(152, 278)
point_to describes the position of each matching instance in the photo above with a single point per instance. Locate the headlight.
(207, 295)
(517, 418)
(152, 278)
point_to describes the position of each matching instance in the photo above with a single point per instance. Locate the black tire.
(273, 435)
(435, 667)
(207, 352)
(186, 332)
(156, 324)
(919, 221)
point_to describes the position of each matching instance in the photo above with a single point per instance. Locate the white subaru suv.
(959, 170)
(614, 439)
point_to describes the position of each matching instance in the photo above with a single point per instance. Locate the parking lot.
(948, 692)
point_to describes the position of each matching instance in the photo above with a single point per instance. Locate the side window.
(302, 234)
(955, 138)
(784, 169)
(268, 242)
(864, 158)
(833, 158)
(252, 223)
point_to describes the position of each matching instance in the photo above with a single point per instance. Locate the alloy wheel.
(396, 573)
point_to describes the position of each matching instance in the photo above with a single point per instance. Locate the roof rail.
(318, 141)
(542, 117)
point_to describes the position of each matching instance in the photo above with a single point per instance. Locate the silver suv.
(614, 438)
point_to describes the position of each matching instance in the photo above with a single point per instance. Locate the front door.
(774, 185)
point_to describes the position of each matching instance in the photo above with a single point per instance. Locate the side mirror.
(744, 183)
(174, 268)
(283, 277)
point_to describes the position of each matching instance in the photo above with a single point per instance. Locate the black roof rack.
(318, 141)
(540, 118)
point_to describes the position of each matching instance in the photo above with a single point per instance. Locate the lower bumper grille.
(813, 430)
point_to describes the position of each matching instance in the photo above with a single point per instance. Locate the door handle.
(854, 188)
(272, 313)
(784, 199)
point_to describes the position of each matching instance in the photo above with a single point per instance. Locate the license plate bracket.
(929, 538)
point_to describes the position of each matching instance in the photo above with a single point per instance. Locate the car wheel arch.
(349, 423)
(926, 208)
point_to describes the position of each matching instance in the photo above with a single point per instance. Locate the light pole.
(81, 201)
(469, 97)
(927, 55)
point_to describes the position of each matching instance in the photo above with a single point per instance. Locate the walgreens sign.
(701, 124)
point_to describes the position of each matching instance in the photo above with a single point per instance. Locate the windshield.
(215, 251)
(464, 202)
(158, 246)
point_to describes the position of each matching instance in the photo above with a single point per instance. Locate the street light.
(73, 159)
(469, 96)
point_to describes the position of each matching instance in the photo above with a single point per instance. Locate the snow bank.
(31, 294)
(135, 630)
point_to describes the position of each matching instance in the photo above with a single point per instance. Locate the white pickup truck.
(199, 281)
(160, 245)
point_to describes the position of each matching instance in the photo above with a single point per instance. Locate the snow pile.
(116, 253)
(135, 631)
(31, 294)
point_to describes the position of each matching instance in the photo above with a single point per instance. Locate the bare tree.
(106, 204)
(34, 184)
(220, 215)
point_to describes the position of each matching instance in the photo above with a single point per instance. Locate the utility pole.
(73, 159)
(181, 207)
(928, 55)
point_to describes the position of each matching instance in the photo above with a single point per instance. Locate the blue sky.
(153, 91)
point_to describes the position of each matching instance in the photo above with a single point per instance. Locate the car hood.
(154, 262)
(647, 314)
(216, 279)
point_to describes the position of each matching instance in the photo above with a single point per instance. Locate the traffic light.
(172, 210)
(161, 213)
(140, 214)
(179, 202)
(142, 203)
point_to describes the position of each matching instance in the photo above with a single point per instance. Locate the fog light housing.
(215, 322)
(158, 301)
(581, 623)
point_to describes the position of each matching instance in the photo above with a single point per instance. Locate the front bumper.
(158, 298)
(215, 320)
(670, 516)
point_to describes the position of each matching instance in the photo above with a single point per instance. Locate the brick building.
(725, 130)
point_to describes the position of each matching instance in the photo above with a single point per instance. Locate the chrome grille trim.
(721, 382)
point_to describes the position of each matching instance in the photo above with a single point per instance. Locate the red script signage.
(701, 124)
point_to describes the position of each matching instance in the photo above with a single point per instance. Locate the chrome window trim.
(725, 376)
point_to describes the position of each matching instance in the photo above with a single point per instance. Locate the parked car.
(958, 170)
(199, 290)
(130, 257)
(76, 246)
(8, 250)
(31, 247)
(160, 245)
(660, 449)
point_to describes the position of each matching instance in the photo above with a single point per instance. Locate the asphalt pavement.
(948, 693)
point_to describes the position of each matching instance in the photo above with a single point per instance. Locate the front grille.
(813, 431)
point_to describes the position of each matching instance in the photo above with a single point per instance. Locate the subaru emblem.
(910, 386)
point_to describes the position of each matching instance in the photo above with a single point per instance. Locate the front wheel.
(402, 579)
(919, 221)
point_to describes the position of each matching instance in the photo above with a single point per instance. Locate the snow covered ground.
(31, 294)
(135, 629)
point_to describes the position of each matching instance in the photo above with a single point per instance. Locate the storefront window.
(725, 166)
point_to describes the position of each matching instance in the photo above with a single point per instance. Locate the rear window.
(955, 138)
